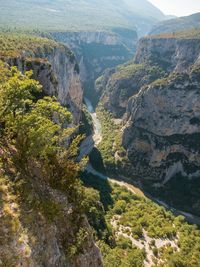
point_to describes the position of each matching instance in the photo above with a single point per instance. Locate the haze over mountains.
(80, 14)
(177, 24)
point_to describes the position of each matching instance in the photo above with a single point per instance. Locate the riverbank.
(94, 140)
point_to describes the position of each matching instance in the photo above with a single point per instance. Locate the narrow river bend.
(91, 141)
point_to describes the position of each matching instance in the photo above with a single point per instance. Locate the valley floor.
(94, 140)
(140, 223)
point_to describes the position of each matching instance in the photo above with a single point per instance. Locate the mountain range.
(79, 14)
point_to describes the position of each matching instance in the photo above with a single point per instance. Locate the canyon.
(156, 96)
(36, 214)
(109, 170)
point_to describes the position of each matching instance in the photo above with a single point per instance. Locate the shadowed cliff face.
(161, 137)
(158, 97)
(163, 127)
(97, 51)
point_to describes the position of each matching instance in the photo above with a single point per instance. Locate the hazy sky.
(177, 7)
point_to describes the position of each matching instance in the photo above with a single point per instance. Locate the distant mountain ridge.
(177, 24)
(79, 14)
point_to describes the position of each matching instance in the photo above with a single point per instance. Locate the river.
(91, 141)
(97, 136)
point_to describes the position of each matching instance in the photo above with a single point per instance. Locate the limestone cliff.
(171, 53)
(163, 127)
(97, 51)
(161, 116)
(117, 85)
(40, 226)
(156, 57)
(43, 220)
(56, 69)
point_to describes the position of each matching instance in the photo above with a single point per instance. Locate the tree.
(35, 132)
(34, 127)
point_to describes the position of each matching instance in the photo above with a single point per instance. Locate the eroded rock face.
(123, 82)
(158, 97)
(163, 129)
(155, 58)
(73, 39)
(162, 123)
(58, 72)
(172, 54)
(42, 225)
(97, 51)
(44, 237)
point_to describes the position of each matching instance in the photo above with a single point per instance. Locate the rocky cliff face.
(97, 51)
(41, 224)
(40, 228)
(172, 54)
(117, 85)
(161, 130)
(162, 135)
(58, 72)
(115, 37)
(163, 127)
(155, 58)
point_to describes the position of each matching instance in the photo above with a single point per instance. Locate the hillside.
(178, 24)
(99, 135)
(134, 231)
(154, 100)
(68, 15)
(53, 65)
(16, 45)
(40, 191)
(184, 34)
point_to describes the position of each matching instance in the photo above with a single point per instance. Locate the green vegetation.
(14, 45)
(189, 23)
(125, 71)
(36, 163)
(145, 70)
(28, 46)
(184, 197)
(184, 34)
(139, 216)
(111, 141)
(86, 122)
(63, 15)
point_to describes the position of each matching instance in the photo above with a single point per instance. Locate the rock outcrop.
(161, 114)
(163, 128)
(169, 52)
(117, 85)
(97, 51)
(43, 223)
(40, 228)
(156, 57)
(56, 69)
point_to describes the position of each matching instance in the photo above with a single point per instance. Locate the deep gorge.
(99, 135)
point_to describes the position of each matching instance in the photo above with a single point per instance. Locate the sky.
(177, 7)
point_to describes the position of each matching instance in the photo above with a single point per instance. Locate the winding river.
(93, 140)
